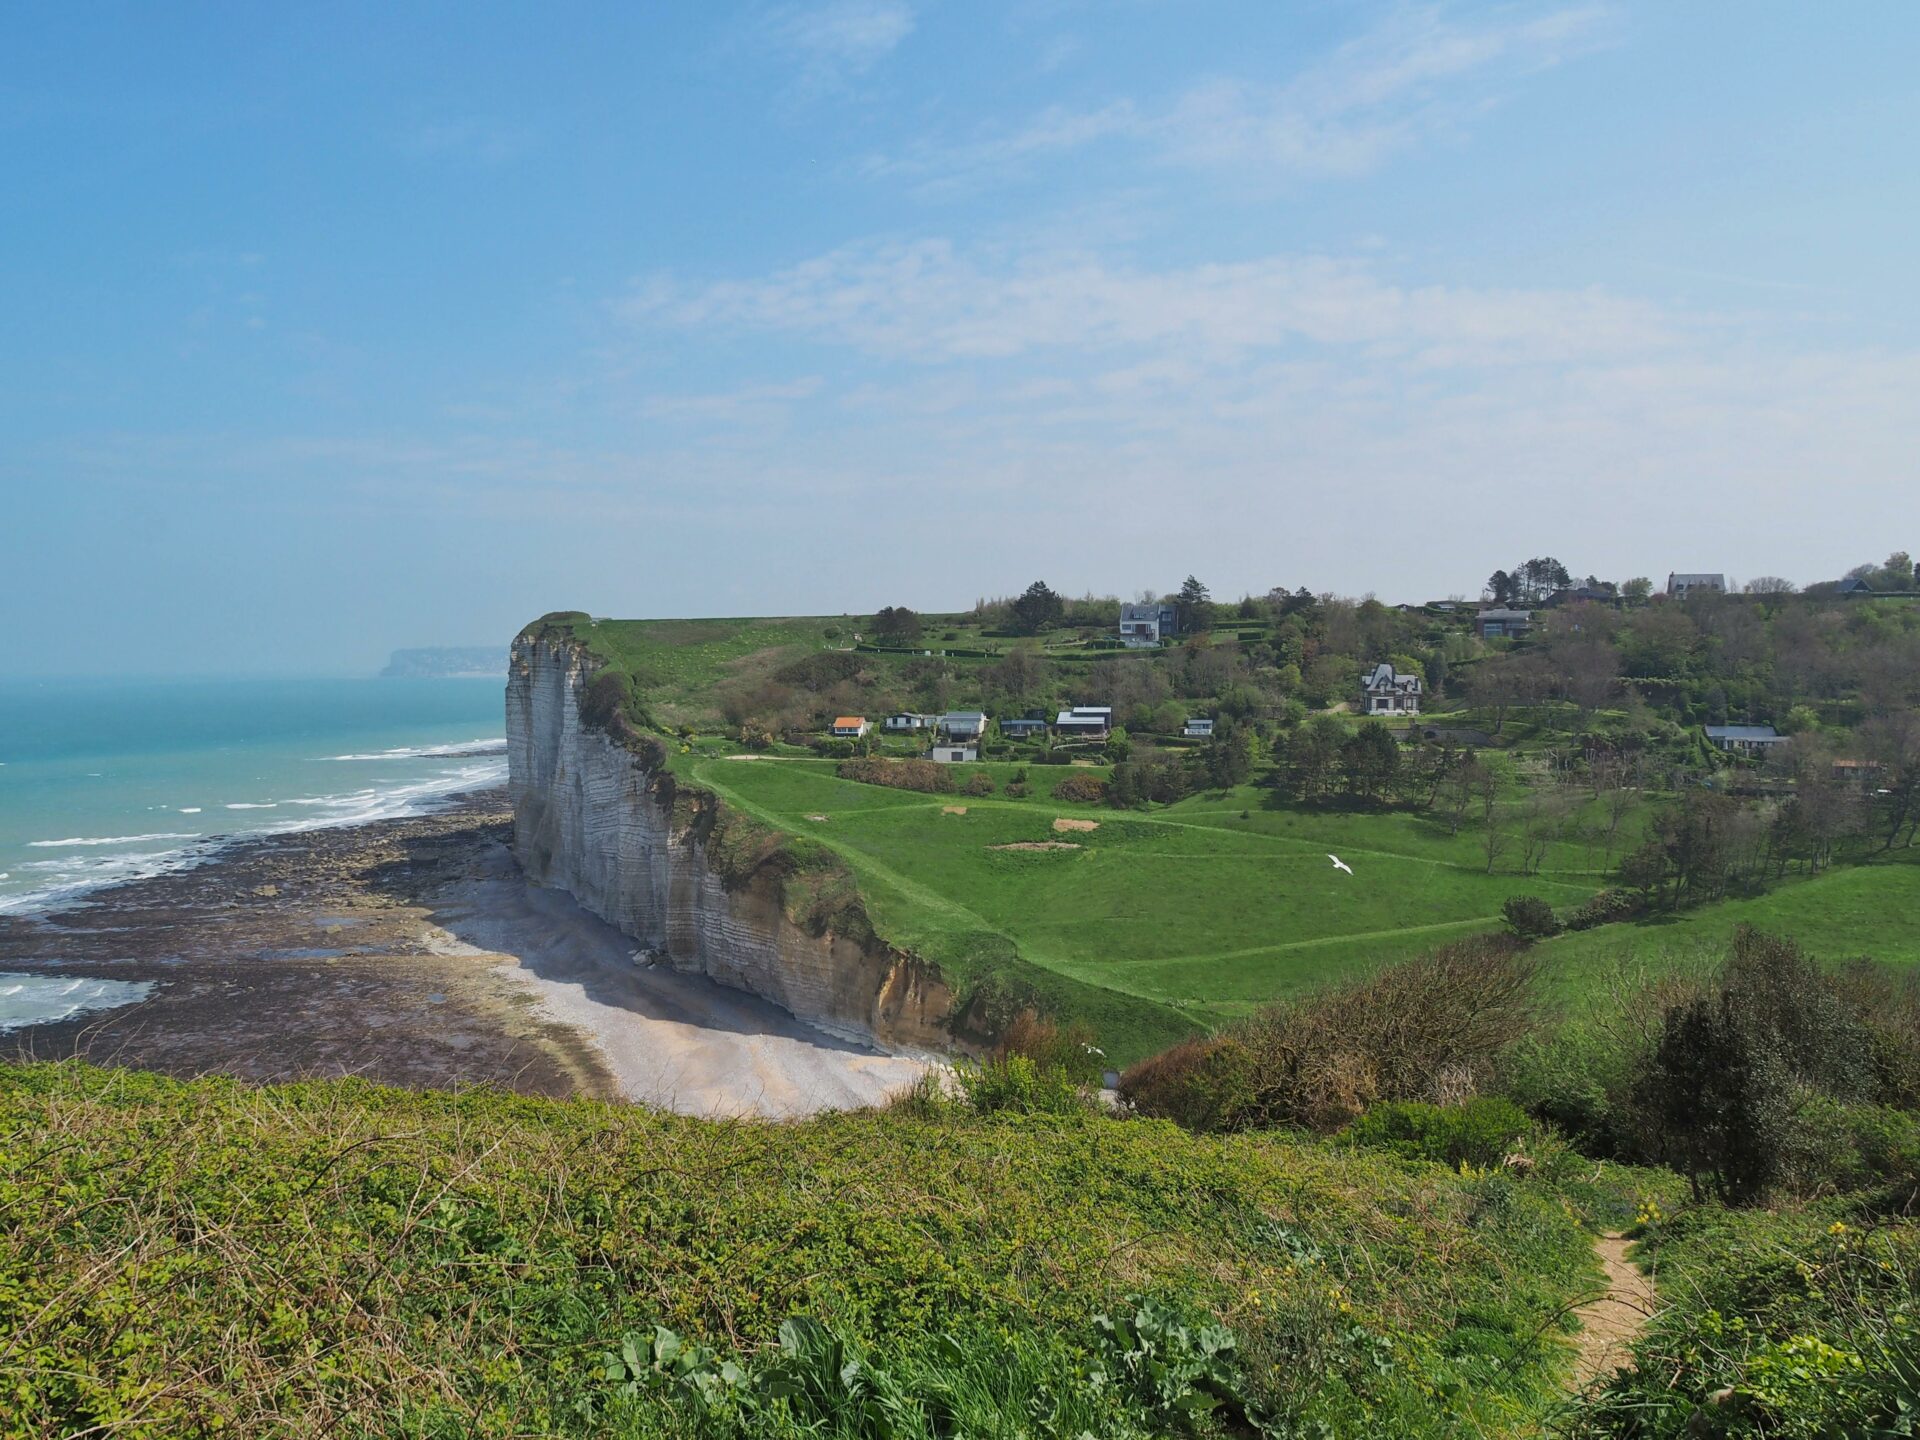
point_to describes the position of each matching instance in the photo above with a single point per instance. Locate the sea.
(103, 781)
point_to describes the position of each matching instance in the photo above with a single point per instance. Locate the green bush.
(925, 776)
(1530, 917)
(1081, 789)
(1605, 908)
(1015, 1084)
(1481, 1133)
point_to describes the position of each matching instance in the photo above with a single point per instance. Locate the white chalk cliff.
(591, 818)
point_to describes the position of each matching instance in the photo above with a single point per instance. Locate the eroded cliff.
(600, 818)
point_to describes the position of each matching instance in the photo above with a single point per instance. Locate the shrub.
(1480, 1133)
(927, 776)
(1430, 1028)
(1018, 789)
(1203, 1084)
(1015, 1083)
(603, 700)
(1606, 908)
(979, 783)
(1530, 917)
(1051, 1045)
(1081, 789)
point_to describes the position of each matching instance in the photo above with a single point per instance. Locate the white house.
(907, 722)
(851, 727)
(1388, 692)
(948, 753)
(965, 725)
(1198, 728)
(1144, 626)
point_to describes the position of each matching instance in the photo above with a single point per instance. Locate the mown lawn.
(1210, 907)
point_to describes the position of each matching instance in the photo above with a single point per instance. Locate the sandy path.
(677, 1041)
(1610, 1324)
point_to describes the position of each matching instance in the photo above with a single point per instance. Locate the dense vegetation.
(182, 1259)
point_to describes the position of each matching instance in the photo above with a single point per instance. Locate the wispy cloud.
(471, 141)
(1418, 75)
(835, 41)
(932, 302)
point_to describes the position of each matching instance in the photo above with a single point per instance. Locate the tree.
(1037, 609)
(1228, 756)
(1307, 758)
(896, 625)
(1637, 590)
(1502, 589)
(1486, 791)
(1719, 1097)
(1369, 761)
(1193, 606)
(1770, 585)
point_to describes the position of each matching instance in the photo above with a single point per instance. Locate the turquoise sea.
(107, 780)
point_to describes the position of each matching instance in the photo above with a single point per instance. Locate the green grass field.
(1191, 912)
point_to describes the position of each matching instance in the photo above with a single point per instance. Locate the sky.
(330, 329)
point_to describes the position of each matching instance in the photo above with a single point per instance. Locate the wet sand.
(414, 952)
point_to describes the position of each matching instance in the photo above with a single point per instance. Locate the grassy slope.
(333, 1257)
(1839, 915)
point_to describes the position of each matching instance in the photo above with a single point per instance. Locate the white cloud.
(1417, 75)
(836, 40)
(928, 301)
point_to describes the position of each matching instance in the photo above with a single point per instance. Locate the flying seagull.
(1340, 864)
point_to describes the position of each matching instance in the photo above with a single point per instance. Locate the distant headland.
(448, 662)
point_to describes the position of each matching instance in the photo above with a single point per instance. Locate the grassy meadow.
(1186, 915)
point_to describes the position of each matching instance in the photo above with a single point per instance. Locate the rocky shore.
(413, 952)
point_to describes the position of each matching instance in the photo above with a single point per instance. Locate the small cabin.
(851, 727)
(965, 725)
(1197, 728)
(908, 722)
(947, 753)
(1085, 722)
(1023, 729)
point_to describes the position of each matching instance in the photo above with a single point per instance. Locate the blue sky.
(330, 329)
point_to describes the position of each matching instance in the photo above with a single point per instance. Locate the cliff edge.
(598, 814)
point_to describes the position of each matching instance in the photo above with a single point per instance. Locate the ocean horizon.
(108, 780)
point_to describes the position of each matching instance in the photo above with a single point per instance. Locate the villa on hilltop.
(1389, 692)
(1680, 587)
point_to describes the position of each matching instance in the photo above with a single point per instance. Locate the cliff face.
(591, 819)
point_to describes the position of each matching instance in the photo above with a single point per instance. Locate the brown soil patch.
(1065, 825)
(816, 817)
(953, 809)
(1037, 845)
(1611, 1323)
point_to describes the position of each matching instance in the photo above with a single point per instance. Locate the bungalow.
(1602, 594)
(851, 727)
(1500, 623)
(963, 725)
(1745, 739)
(1023, 729)
(1855, 585)
(1087, 722)
(1388, 692)
(1198, 727)
(907, 722)
(1144, 626)
(950, 753)
(1681, 587)
(1862, 774)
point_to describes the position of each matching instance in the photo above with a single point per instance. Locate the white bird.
(1340, 864)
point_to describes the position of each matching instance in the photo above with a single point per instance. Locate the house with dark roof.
(1745, 739)
(1084, 722)
(1025, 728)
(1500, 623)
(908, 722)
(1855, 585)
(1680, 587)
(1386, 691)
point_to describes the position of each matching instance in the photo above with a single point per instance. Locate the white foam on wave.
(483, 746)
(46, 999)
(84, 865)
(189, 809)
(254, 805)
(109, 840)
